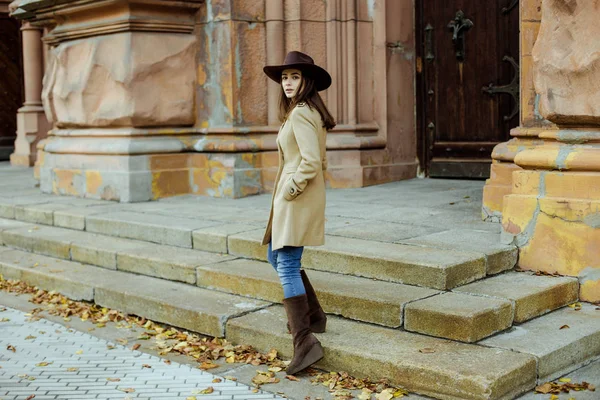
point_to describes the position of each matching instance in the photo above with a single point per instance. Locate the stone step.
(436, 367)
(459, 316)
(439, 261)
(363, 299)
(356, 298)
(531, 295)
(475, 311)
(561, 341)
(401, 263)
(161, 261)
(186, 306)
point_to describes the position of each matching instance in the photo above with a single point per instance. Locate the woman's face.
(290, 81)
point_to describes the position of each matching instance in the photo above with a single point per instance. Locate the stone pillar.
(553, 213)
(526, 135)
(32, 125)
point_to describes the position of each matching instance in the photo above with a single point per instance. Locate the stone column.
(553, 213)
(32, 125)
(526, 135)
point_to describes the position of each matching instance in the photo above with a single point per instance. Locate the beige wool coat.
(297, 215)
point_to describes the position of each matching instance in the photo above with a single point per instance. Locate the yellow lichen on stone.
(170, 183)
(590, 291)
(93, 181)
(562, 246)
(64, 181)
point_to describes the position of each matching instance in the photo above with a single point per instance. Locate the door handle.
(459, 26)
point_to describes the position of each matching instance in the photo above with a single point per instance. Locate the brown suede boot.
(307, 349)
(317, 317)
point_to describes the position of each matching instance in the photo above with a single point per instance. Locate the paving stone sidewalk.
(79, 366)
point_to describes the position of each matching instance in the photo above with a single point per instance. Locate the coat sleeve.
(305, 129)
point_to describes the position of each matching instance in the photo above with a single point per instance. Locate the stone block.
(421, 364)
(360, 299)
(132, 86)
(45, 240)
(458, 316)
(532, 295)
(166, 262)
(199, 310)
(71, 279)
(74, 217)
(248, 244)
(99, 250)
(499, 257)
(564, 54)
(6, 224)
(154, 228)
(39, 213)
(214, 239)
(561, 341)
(409, 264)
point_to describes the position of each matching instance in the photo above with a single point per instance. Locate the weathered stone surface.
(499, 257)
(152, 228)
(188, 307)
(557, 350)
(414, 265)
(214, 239)
(381, 231)
(74, 217)
(566, 59)
(532, 295)
(99, 250)
(458, 316)
(166, 262)
(74, 280)
(361, 299)
(137, 79)
(10, 224)
(452, 371)
(45, 240)
(38, 213)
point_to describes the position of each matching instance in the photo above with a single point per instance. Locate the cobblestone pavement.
(47, 360)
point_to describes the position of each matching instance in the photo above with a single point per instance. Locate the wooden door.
(468, 83)
(11, 82)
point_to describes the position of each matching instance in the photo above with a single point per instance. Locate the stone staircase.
(442, 314)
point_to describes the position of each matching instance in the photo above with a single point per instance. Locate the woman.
(298, 206)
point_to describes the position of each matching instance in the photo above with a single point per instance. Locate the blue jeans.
(286, 262)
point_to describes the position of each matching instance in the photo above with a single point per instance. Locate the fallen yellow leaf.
(208, 365)
(43, 364)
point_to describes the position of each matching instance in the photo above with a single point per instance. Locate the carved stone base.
(553, 213)
(32, 126)
(143, 177)
(500, 182)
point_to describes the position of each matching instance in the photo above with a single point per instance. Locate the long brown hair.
(307, 93)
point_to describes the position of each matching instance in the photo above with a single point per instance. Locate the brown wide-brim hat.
(303, 62)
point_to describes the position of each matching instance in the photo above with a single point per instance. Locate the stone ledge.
(360, 299)
(458, 316)
(421, 364)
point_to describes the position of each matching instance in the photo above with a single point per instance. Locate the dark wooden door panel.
(10, 82)
(460, 122)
